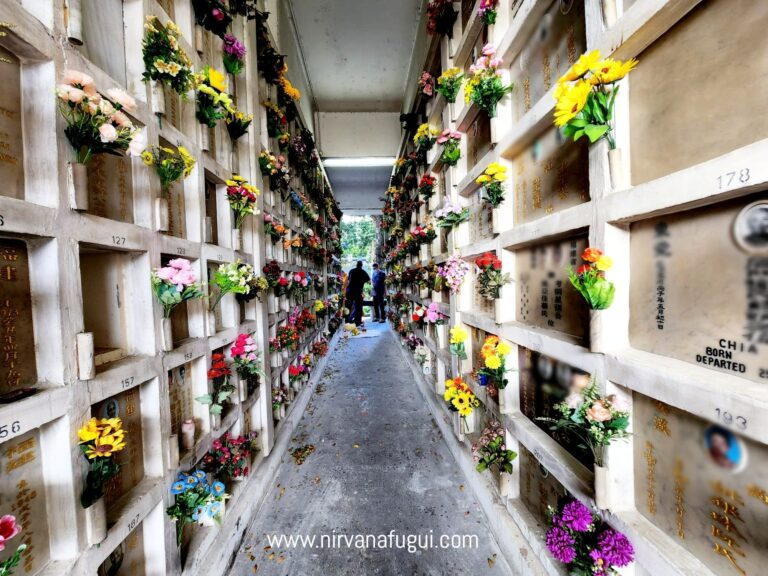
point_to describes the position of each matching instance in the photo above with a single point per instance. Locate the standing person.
(379, 292)
(358, 278)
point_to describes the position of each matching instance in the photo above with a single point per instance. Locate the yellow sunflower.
(571, 98)
(584, 64)
(609, 70)
(217, 79)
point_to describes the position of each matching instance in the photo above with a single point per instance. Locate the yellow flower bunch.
(494, 351)
(449, 83)
(101, 438)
(495, 172)
(289, 90)
(319, 306)
(459, 396)
(458, 335)
(425, 132)
(469, 87)
(448, 74)
(585, 96)
(171, 165)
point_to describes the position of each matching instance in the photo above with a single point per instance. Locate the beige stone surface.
(696, 295)
(538, 488)
(545, 297)
(11, 137)
(701, 496)
(699, 91)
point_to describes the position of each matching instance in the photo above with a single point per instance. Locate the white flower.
(138, 143)
(107, 133)
(573, 401)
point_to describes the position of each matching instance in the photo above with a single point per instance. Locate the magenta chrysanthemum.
(615, 548)
(576, 516)
(560, 544)
(233, 46)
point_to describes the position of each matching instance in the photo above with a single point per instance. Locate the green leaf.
(595, 131)
(215, 409)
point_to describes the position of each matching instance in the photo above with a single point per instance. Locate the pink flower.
(456, 135)
(121, 120)
(180, 264)
(70, 93)
(496, 62)
(573, 401)
(184, 278)
(8, 529)
(489, 50)
(599, 412)
(107, 132)
(122, 98)
(217, 14)
(168, 274)
(76, 78)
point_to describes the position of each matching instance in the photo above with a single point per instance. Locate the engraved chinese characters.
(11, 141)
(127, 406)
(538, 488)
(22, 493)
(545, 296)
(110, 187)
(17, 357)
(684, 306)
(703, 485)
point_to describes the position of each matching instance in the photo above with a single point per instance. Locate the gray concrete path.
(379, 465)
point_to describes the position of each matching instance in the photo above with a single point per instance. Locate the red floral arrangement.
(427, 186)
(320, 348)
(229, 457)
(441, 17)
(219, 367)
(489, 260)
(288, 337)
(272, 272)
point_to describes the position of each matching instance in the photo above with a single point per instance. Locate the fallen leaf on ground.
(255, 567)
(461, 487)
(356, 445)
(271, 556)
(492, 561)
(301, 453)
(317, 479)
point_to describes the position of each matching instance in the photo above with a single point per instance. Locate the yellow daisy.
(571, 98)
(584, 64)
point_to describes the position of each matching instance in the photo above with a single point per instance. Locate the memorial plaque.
(104, 36)
(555, 44)
(538, 488)
(177, 224)
(703, 485)
(110, 187)
(549, 176)
(545, 382)
(18, 368)
(22, 493)
(11, 139)
(545, 296)
(699, 289)
(481, 219)
(673, 124)
(182, 396)
(210, 209)
(128, 558)
(478, 139)
(126, 406)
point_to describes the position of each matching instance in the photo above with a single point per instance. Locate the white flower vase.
(285, 354)
(157, 93)
(275, 359)
(272, 302)
(205, 137)
(211, 323)
(424, 292)
(242, 388)
(74, 22)
(96, 522)
(237, 239)
(199, 44)
(162, 214)
(188, 435)
(596, 337)
(166, 335)
(284, 305)
(458, 425)
(208, 521)
(235, 396)
(609, 12)
(86, 366)
(505, 484)
(173, 451)
(442, 335)
(498, 310)
(603, 488)
(215, 421)
(78, 183)
(616, 168)
(496, 220)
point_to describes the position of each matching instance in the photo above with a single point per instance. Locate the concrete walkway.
(379, 465)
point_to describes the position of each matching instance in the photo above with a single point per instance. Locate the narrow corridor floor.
(380, 466)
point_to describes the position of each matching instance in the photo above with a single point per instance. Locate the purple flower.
(577, 517)
(233, 46)
(560, 544)
(614, 549)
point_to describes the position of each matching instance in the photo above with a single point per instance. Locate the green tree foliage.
(357, 237)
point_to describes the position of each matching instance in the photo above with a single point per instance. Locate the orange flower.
(591, 254)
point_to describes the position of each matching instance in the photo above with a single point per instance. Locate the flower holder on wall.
(617, 170)
(166, 335)
(86, 367)
(77, 181)
(162, 214)
(157, 97)
(603, 488)
(96, 522)
(74, 16)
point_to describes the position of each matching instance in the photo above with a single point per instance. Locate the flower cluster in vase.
(164, 59)
(97, 123)
(456, 342)
(242, 198)
(171, 165)
(453, 272)
(245, 355)
(100, 440)
(450, 141)
(492, 180)
(219, 374)
(10, 528)
(589, 279)
(491, 452)
(441, 17)
(584, 543)
(196, 500)
(174, 284)
(488, 11)
(229, 457)
(460, 397)
(451, 214)
(494, 353)
(449, 84)
(485, 87)
(490, 277)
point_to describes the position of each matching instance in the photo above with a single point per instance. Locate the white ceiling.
(357, 52)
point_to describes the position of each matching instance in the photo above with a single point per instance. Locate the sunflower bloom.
(217, 80)
(571, 98)
(584, 64)
(609, 70)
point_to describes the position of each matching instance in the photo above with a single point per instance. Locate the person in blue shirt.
(379, 292)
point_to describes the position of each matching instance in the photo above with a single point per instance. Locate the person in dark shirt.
(379, 293)
(358, 278)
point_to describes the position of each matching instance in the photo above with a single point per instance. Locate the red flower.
(583, 269)
(591, 254)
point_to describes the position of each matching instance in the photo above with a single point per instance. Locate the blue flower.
(190, 481)
(218, 488)
(199, 474)
(178, 487)
(214, 509)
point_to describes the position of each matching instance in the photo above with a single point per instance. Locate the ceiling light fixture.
(363, 162)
